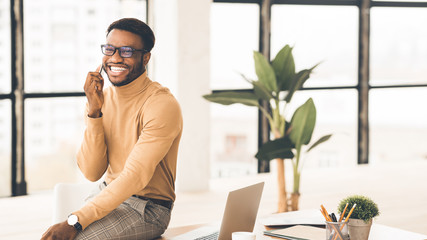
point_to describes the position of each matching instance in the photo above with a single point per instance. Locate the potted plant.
(277, 82)
(360, 222)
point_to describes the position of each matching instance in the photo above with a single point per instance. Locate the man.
(132, 135)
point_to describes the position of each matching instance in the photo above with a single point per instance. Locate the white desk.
(378, 231)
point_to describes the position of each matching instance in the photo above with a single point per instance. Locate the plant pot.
(358, 229)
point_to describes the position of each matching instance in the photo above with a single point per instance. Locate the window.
(233, 140)
(53, 131)
(336, 114)
(398, 129)
(399, 46)
(317, 37)
(233, 135)
(5, 146)
(232, 50)
(65, 48)
(57, 59)
(5, 47)
(328, 32)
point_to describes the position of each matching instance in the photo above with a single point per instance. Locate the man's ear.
(146, 58)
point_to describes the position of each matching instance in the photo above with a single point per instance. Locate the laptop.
(239, 215)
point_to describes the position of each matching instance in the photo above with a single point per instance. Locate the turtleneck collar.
(133, 88)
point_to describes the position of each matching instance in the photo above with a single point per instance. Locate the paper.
(298, 232)
(311, 217)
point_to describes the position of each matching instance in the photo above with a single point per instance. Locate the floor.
(400, 191)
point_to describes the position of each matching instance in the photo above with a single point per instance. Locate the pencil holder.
(337, 231)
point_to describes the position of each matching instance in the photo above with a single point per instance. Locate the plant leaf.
(265, 72)
(319, 141)
(228, 98)
(302, 123)
(279, 148)
(298, 81)
(284, 68)
(261, 91)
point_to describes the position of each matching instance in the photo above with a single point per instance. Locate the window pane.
(5, 146)
(53, 133)
(5, 81)
(62, 40)
(398, 130)
(337, 115)
(399, 46)
(326, 34)
(233, 40)
(234, 140)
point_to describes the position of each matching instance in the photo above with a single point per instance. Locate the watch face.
(72, 220)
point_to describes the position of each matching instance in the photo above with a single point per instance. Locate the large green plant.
(277, 82)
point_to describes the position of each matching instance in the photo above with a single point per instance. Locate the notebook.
(298, 232)
(239, 215)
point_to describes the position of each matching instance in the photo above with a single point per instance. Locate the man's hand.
(60, 231)
(93, 90)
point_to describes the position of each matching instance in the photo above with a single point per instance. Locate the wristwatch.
(73, 220)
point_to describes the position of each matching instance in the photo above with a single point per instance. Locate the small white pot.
(358, 229)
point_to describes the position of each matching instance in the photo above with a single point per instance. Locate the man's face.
(120, 70)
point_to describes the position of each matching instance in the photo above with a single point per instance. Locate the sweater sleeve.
(162, 124)
(92, 156)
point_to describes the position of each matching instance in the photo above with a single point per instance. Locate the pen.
(333, 217)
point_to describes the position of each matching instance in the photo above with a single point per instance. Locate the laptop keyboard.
(213, 236)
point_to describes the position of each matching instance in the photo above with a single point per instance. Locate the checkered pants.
(133, 219)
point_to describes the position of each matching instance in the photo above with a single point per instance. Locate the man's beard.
(134, 74)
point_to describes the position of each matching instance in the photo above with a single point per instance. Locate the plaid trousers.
(133, 219)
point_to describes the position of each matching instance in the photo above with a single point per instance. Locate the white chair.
(69, 197)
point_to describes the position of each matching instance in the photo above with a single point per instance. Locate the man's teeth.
(117, 69)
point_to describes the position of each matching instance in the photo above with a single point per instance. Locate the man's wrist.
(95, 114)
(73, 221)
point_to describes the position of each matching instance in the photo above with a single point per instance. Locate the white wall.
(181, 61)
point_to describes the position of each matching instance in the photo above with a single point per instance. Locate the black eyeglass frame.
(121, 49)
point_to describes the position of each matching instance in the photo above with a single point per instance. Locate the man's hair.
(137, 27)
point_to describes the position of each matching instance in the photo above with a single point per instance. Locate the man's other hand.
(60, 231)
(93, 90)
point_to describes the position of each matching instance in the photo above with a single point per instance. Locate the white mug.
(243, 236)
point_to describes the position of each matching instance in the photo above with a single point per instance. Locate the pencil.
(346, 219)
(349, 214)
(324, 210)
(325, 214)
(343, 212)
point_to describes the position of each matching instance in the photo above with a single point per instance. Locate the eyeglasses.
(125, 52)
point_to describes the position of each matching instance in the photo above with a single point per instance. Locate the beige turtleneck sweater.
(135, 142)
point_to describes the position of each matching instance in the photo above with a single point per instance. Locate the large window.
(336, 115)
(5, 154)
(371, 77)
(398, 46)
(61, 44)
(233, 128)
(317, 37)
(398, 120)
(53, 132)
(232, 50)
(5, 105)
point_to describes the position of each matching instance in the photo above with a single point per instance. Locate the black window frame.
(17, 96)
(362, 87)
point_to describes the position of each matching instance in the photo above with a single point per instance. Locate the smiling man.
(132, 135)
